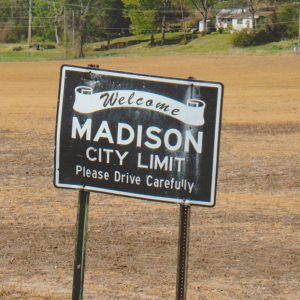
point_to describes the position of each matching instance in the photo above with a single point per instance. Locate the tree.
(94, 20)
(163, 22)
(253, 7)
(81, 9)
(288, 16)
(144, 16)
(13, 20)
(166, 6)
(84, 8)
(48, 19)
(204, 7)
(107, 21)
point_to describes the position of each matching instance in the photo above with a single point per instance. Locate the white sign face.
(135, 135)
(86, 102)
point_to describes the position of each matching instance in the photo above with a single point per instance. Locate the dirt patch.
(247, 247)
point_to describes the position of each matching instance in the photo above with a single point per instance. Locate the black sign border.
(217, 137)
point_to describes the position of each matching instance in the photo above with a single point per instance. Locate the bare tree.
(84, 8)
(253, 7)
(165, 7)
(58, 14)
(204, 6)
(30, 24)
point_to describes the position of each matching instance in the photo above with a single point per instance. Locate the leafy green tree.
(105, 20)
(48, 19)
(288, 16)
(94, 20)
(13, 20)
(144, 16)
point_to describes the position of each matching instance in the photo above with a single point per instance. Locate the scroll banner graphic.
(87, 102)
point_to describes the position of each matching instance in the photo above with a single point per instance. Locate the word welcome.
(191, 112)
(111, 99)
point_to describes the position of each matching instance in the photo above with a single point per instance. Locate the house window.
(239, 21)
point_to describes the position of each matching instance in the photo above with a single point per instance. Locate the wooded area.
(82, 21)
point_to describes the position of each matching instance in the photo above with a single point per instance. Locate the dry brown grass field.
(247, 247)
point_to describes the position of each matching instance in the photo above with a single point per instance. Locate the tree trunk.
(81, 36)
(163, 30)
(82, 29)
(152, 40)
(204, 13)
(163, 22)
(56, 31)
(253, 20)
(182, 21)
(252, 10)
(30, 24)
(205, 16)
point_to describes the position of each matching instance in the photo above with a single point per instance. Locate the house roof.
(231, 12)
(265, 13)
(243, 13)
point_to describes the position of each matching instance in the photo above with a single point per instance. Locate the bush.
(246, 38)
(243, 38)
(278, 31)
(262, 37)
(49, 46)
(17, 48)
(220, 30)
(287, 14)
(39, 39)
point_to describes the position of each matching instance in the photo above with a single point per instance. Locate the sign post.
(147, 137)
(80, 247)
(183, 250)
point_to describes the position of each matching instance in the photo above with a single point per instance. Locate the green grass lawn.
(7, 53)
(213, 43)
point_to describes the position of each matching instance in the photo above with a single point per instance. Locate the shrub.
(278, 31)
(262, 37)
(243, 38)
(17, 48)
(220, 30)
(39, 39)
(287, 14)
(246, 38)
(49, 46)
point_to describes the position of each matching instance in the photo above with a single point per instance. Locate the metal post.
(80, 247)
(73, 28)
(183, 251)
(29, 39)
(299, 31)
(65, 33)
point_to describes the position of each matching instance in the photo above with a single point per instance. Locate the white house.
(237, 19)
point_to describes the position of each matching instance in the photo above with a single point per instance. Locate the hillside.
(214, 43)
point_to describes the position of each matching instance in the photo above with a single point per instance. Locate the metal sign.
(140, 136)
